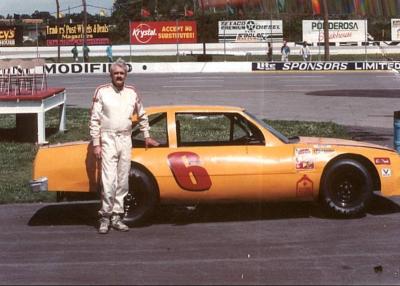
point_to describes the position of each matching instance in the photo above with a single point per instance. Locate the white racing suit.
(111, 127)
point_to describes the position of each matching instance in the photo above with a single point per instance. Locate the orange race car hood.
(340, 142)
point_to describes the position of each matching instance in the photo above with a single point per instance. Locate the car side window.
(158, 131)
(213, 129)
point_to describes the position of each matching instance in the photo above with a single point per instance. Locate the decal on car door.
(188, 173)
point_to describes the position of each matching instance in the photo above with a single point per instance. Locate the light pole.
(58, 32)
(326, 29)
(202, 26)
(84, 29)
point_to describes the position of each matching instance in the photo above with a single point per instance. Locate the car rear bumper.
(39, 185)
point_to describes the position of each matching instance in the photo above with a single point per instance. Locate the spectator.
(285, 51)
(74, 52)
(305, 52)
(109, 53)
(269, 52)
(86, 51)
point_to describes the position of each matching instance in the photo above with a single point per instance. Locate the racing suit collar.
(116, 89)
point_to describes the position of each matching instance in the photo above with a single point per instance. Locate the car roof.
(193, 108)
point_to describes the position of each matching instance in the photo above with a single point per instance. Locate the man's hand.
(97, 151)
(150, 142)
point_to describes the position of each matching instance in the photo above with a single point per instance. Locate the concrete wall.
(197, 49)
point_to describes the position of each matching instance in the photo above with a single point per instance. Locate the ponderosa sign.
(144, 33)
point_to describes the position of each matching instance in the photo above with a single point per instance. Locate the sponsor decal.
(382, 161)
(304, 187)
(323, 150)
(304, 158)
(188, 172)
(386, 172)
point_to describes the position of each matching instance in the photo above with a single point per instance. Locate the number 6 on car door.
(185, 166)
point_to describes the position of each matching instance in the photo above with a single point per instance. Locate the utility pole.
(58, 31)
(326, 29)
(84, 28)
(202, 26)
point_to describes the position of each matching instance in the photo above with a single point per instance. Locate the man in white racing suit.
(110, 128)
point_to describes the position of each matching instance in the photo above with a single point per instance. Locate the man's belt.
(117, 132)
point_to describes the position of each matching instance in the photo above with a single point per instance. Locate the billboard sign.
(164, 32)
(70, 34)
(339, 31)
(395, 28)
(236, 31)
(7, 36)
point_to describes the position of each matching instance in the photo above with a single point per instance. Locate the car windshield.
(281, 137)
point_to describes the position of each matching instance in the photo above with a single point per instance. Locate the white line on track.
(310, 84)
(192, 86)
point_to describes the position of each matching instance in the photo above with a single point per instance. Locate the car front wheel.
(142, 198)
(346, 188)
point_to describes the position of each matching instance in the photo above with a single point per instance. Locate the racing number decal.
(185, 166)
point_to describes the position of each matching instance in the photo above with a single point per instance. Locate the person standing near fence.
(86, 51)
(74, 52)
(305, 52)
(269, 52)
(285, 51)
(109, 53)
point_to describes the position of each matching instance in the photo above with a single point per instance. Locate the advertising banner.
(339, 31)
(250, 31)
(324, 66)
(222, 3)
(7, 36)
(395, 24)
(167, 32)
(70, 34)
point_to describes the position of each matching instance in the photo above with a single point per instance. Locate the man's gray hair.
(119, 63)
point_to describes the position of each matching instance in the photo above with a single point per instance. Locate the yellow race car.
(212, 154)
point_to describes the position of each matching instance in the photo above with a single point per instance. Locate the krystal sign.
(145, 33)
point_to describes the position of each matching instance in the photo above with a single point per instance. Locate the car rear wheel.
(142, 198)
(346, 188)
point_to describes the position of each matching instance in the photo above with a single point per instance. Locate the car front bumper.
(39, 185)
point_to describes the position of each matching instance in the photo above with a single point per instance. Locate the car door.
(211, 161)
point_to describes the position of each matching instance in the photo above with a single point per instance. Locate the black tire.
(142, 198)
(346, 188)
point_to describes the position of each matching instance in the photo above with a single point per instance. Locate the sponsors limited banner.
(339, 31)
(250, 31)
(167, 32)
(324, 66)
(395, 28)
(70, 34)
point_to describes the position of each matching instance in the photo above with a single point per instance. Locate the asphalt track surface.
(364, 101)
(285, 243)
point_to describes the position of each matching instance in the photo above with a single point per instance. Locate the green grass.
(16, 158)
